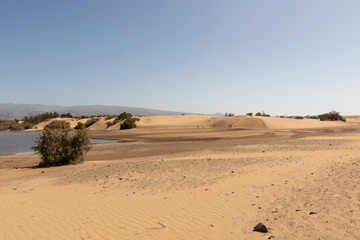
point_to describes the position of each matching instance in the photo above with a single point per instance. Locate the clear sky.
(283, 57)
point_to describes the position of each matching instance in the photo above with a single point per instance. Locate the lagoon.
(20, 142)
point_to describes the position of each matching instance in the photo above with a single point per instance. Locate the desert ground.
(193, 177)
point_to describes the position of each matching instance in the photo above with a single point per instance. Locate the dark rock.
(276, 211)
(42, 172)
(271, 237)
(260, 227)
(313, 212)
(210, 225)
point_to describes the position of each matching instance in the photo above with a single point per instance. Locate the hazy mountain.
(12, 111)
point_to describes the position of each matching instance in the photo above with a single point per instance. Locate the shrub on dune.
(332, 116)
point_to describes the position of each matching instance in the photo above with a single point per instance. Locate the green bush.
(129, 123)
(332, 116)
(62, 147)
(58, 125)
(91, 122)
(259, 114)
(88, 123)
(121, 117)
(79, 125)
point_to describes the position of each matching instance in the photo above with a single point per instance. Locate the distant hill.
(12, 111)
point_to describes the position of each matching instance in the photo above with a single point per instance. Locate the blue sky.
(282, 57)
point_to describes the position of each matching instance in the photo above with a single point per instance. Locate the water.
(20, 142)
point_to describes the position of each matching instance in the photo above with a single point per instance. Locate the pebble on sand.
(260, 227)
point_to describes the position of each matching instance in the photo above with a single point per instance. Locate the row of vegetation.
(45, 116)
(259, 114)
(229, 114)
(330, 116)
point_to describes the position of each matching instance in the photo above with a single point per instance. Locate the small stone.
(297, 210)
(120, 178)
(210, 225)
(271, 237)
(276, 211)
(313, 212)
(42, 172)
(260, 227)
(206, 189)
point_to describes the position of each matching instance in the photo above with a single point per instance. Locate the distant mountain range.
(12, 111)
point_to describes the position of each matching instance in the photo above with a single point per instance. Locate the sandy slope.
(191, 184)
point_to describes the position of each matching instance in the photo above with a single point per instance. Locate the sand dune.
(207, 122)
(100, 125)
(286, 123)
(73, 122)
(246, 122)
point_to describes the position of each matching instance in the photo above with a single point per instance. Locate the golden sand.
(174, 180)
